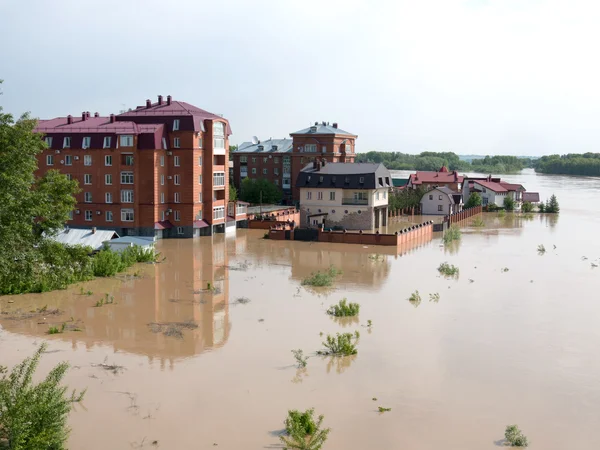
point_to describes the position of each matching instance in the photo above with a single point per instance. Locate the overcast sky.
(469, 76)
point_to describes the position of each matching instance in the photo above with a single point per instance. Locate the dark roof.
(532, 197)
(345, 176)
(281, 146)
(454, 197)
(399, 182)
(323, 128)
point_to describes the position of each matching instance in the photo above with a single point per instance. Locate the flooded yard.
(195, 352)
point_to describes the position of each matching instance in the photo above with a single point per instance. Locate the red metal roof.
(436, 177)
(200, 224)
(89, 125)
(492, 186)
(162, 225)
(511, 186)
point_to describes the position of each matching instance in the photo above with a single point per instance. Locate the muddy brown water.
(499, 347)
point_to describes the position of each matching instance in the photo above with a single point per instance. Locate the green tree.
(233, 194)
(509, 204)
(474, 200)
(527, 207)
(552, 205)
(34, 416)
(260, 190)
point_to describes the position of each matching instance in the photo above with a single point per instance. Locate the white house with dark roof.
(442, 201)
(353, 196)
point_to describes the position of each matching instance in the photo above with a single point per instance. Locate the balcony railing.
(355, 201)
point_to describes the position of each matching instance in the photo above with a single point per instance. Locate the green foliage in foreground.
(527, 207)
(509, 204)
(340, 345)
(478, 222)
(515, 437)
(344, 309)
(448, 270)
(34, 416)
(108, 263)
(322, 279)
(453, 233)
(302, 432)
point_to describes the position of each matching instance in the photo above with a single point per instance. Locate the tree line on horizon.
(571, 164)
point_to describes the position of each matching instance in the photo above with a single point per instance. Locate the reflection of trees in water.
(550, 220)
(345, 321)
(300, 375)
(452, 247)
(341, 363)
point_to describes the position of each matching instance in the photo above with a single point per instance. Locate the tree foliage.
(552, 205)
(570, 164)
(251, 189)
(34, 416)
(527, 207)
(509, 204)
(233, 193)
(406, 198)
(474, 200)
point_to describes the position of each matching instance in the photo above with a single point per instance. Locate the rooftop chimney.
(87, 114)
(83, 116)
(148, 104)
(324, 161)
(112, 118)
(168, 99)
(334, 124)
(96, 114)
(324, 123)
(314, 164)
(316, 123)
(160, 99)
(93, 230)
(69, 119)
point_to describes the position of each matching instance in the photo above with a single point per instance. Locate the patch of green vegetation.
(541, 249)
(266, 235)
(452, 234)
(448, 270)
(374, 399)
(501, 213)
(369, 323)
(300, 358)
(107, 300)
(478, 222)
(382, 409)
(527, 207)
(504, 269)
(303, 432)
(107, 263)
(434, 297)
(84, 292)
(344, 309)
(515, 437)
(322, 279)
(415, 299)
(340, 345)
(34, 416)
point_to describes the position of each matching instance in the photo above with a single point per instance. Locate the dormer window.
(320, 179)
(48, 141)
(347, 180)
(67, 142)
(176, 125)
(106, 142)
(332, 180)
(380, 181)
(274, 148)
(361, 180)
(387, 181)
(308, 179)
(261, 147)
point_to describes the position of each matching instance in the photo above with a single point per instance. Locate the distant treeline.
(571, 164)
(430, 161)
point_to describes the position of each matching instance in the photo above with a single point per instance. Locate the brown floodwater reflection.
(513, 339)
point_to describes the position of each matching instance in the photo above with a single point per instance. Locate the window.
(177, 198)
(162, 197)
(164, 145)
(108, 160)
(332, 196)
(69, 177)
(200, 197)
(430, 197)
(276, 160)
(108, 179)
(176, 125)
(265, 159)
(49, 160)
(126, 196)
(308, 195)
(320, 179)
(384, 194)
(162, 161)
(86, 142)
(199, 179)
(128, 160)
(199, 160)
(276, 170)
(108, 197)
(253, 160)
(440, 207)
(67, 142)
(440, 197)
(254, 171)
(200, 142)
(126, 141)
(360, 196)
(310, 148)
(126, 177)
(176, 161)
(162, 215)
(361, 180)
(88, 215)
(177, 216)
(176, 142)
(87, 179)
(218, 212)
(106, 142)
(179, 230)
(219, 178)
(87, 160)
(71, 215)
(377, 196)
(87, 197)
(177, 179)
(127, 215)
(162, 180)
(48, 141)
(264, 171)
(109, 216)
(319, 195)
(68, 160)
(324, 149)
(219, 134)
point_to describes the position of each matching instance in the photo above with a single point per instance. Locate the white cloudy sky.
(470, 76)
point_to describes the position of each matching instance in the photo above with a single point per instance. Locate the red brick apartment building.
(158, 170)
(280, 160)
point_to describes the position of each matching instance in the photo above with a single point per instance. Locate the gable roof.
(532, 197)
(323, 128)
(512, 186)
(84, 236)
(491, 185)
(345, 176)
(283, 146)
(435, 177)
(454, 197)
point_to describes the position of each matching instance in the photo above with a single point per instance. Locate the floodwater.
(499, 347)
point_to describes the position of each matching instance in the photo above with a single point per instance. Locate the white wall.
(431, 206)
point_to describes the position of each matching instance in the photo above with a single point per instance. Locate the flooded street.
(180, 360)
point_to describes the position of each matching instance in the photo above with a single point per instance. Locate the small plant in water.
(415, 299)
(478, 222)
(382, 409)
(515, 437)
(501, 213)
(434, 297)
(374, 399)
(452, 234)
(505, 269)
(339, 345)
(302, 432)
(300, 358)
(357, 334)
(541, 249)
(321, 279)
(448, 270)
(344, 309)
(369, 323)
(56, 330)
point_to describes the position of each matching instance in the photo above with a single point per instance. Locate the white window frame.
(127, 175)
(376, 195)
(276, 170)
(176, 125)
(87, 178)
(162, 161)
(324, 149)
(218, 212)
(108, 216)
(320, 195)
(126, 140)
(218, 135)
(244, 159)
(176, 197)
(199, 197)
(177, 180)
(162, 215)
(177, 215)
(254, 171)
(106, 142)
(179, 230)
(87, 160)
(218, 179)
(49, 160)
(176, 161)
(332, 196)
(264, 171)
(68, 160)
(308, 195)
(48, 141)
(108, 197)
(127, 215)
(71, 215)
(199, 141)
(162, 197)
(87, 217)
(87, 197)
(199, 179)
(200, 160)
(162, 180)
(127, 196)
(176, 142)
(164, 144)
(440, 208)
(86, 142)
(108, 179)
(108, 160)
(67, 142)
(69, 176)
(310, 148)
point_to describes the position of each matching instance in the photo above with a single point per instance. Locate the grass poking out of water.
(303, 432)
(415, 299)
(382, 409)
(515, 437)
(344, 309)
(448, 270)
(452, 234)
(478, 222)
(434, 297)
(322, 279)
(340, 345)
(57, 330)
(300, 358)
(541, 249)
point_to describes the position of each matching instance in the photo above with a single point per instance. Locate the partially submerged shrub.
(541, 249)
(344, 309)
(434, 297)
(452, 234)
(302, 432)
(340, 345)
(478, 222)
(515, 437)
(415, 298)
(57, 330)
(527, 207)
(382, 409)
(108, 263)
(300, 358)
(321, 279)
(448, 270)
(34, 416)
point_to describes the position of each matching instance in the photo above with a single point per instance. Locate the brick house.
(441, 178)
(158, 170)
(281, 160)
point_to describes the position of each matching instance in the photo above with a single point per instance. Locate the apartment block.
(281, 160)
(158, 170)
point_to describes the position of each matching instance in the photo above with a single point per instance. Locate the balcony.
(355, 201)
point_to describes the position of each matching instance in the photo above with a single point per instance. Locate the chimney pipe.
(87, 114)
(112, 118)
(160, 99)
(69, 119)
(323, 161)
(316, 123)
(169, 99)
(96, 114)
(93, 230)
(334, 124)
(83, 116)
(148, 104)
(315, 164)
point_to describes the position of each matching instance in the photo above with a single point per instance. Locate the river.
(513, 340)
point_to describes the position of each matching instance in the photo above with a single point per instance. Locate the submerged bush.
(340, 345)
(34, 416)
(453, 233)
(108, 263)
(527, 207)
(344, 309)
(478, 222)
(515, 437)
(300, 358)
(415, 298)
(321, 279)
(302, 432)
(541, 249)
(448, 270)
